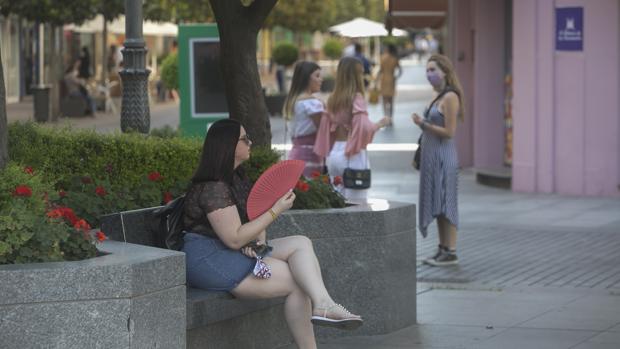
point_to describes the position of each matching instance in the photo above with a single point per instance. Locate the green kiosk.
(201, 85)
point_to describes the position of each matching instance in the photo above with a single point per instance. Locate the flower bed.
(74, 177)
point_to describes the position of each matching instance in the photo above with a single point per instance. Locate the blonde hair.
(349, 82)
(452, 81)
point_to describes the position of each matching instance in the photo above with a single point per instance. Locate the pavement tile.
(482, 308)
(605, 340)
(520, 338)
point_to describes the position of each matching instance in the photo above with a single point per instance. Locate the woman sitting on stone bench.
(219, 237)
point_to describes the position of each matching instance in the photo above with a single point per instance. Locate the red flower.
(167, 197)
(87, 180)
(100, 191)
(299, 185)
(57, 213)
(69, 215)
(155, 176)
(315, 174)
(22, 190)
(81, 225)
(337, 180)
(28, 170)
(62, 193)
(100, 236)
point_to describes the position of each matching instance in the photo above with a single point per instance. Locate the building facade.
(550, 115)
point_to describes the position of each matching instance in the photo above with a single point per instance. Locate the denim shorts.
(211, 265)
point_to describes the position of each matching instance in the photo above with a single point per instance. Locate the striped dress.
(439, 168)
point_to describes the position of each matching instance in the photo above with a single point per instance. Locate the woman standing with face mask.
(439, 161)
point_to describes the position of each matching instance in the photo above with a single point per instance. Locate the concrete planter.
(368, 261)
(131, 297)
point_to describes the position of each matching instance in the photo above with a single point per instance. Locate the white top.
(302, 123)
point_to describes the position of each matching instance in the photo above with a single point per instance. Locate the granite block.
(65, 325)
(126, 270)
(265, 328)
(157, 320)
(368, 260)
(123, 299)
(208, 307)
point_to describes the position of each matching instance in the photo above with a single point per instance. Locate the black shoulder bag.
(356, 179)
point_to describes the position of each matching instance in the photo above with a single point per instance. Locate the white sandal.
(348, 321)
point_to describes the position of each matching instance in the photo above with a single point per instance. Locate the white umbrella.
(362, 27)
(117, 26)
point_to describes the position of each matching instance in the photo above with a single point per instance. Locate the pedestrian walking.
(304, 109)
(76, 87)
(366, 63)
(389, 71)
(222, 246)
(84, 72)
(345, 129)
(439, 161)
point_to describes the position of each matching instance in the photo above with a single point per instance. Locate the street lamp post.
(135, 114)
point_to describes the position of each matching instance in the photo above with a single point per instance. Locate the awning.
(362, 27)
(117, 26)
(417, 14)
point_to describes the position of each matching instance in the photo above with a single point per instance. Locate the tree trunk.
(56, 69)
(4, 132)
(238, 27)
(104, 61)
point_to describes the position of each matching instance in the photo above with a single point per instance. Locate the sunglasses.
(246, 139)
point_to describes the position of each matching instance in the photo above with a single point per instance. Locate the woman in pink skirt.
(305, 110)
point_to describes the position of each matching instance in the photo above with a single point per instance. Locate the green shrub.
(285, 53)
(165, 132)
(317, 192)
(123, 159)
(97, 174)
(261, 158)
(170, 71)
(332, 48)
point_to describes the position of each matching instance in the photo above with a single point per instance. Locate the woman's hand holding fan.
(273, 189)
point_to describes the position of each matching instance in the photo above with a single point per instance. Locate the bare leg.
(447, 233)
(299, 253)
(297, 307)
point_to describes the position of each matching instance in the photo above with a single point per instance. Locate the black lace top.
(203, 198)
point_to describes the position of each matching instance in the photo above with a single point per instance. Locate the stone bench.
(368, 261)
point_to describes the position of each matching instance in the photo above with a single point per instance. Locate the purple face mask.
(434, 78)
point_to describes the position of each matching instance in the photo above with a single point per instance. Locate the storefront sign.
(569, 29)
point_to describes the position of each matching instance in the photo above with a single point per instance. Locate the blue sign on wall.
(569, 29)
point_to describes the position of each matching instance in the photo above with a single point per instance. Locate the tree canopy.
(56, 12)
(198, 11)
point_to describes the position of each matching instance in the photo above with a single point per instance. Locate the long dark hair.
(299, 84)
(217, 160)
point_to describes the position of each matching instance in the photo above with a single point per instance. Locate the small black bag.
(169, 219)
(417, 155)
(356, 179)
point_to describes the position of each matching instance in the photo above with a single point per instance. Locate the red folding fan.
(272, 185)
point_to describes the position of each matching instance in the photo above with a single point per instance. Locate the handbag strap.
(366, 162)
(441, 94)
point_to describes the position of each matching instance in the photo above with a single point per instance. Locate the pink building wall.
(461, 52)
(565, 106)
(477, 51)
(489, 91)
